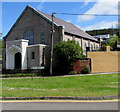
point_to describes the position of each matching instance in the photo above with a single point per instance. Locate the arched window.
(28, 35)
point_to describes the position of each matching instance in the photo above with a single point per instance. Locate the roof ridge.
(50, 15)
(58, 18)
(45, 14)
(68, 27)
(55, 19)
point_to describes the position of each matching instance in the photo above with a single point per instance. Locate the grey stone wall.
(33, 62)
(31, 21)
(39, 59)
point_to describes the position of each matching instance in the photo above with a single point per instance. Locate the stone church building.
(28, 43)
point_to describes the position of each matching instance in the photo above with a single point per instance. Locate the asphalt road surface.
(38, 105)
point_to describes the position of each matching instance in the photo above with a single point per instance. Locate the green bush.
(86, 70)
(72, 73)
(65, 52)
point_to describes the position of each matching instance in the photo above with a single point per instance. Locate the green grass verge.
(94, 85)
(22, 75)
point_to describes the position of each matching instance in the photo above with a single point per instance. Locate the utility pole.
(52, 33)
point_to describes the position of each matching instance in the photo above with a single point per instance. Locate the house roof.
(68, 27)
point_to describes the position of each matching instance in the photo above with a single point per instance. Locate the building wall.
(104, 61)
(31, 21)
(38, 53)
(78, 40)
(67, 37)
(82, 42)
(33, 62)
(97, 45)
(85, 43)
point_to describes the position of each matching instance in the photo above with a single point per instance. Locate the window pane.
(42, 38)
(28, 35)
(33, 55)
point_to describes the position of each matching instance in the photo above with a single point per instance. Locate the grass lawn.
(94, 85)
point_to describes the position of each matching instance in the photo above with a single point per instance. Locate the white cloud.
(40, 6)
(86, 2)
(100, 8)
(102, 25)
(69, 21)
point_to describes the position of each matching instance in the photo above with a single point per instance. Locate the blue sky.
(12, 10)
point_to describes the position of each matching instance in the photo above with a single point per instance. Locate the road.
(60, 105)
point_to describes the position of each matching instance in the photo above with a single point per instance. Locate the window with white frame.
(28, 35)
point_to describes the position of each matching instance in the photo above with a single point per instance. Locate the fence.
(80, 64)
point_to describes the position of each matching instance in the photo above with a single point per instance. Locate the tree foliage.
(112, 42)
(65, 53)
(1, 43)
(103, 31)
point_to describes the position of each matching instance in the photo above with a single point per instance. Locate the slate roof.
(68, 27)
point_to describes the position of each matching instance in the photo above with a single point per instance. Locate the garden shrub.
(86, 70)
(65, 52)
(72, 73)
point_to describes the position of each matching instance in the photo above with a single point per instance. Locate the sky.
(12, 10)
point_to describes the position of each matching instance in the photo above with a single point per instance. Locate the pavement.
(60, 105)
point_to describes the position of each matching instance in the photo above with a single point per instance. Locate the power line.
(87, 14)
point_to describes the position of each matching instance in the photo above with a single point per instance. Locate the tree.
(110, 31)
(65, 52)
(1, 43)
(112, 42)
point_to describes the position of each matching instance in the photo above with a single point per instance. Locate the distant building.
(102, 37)
(28, 43)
